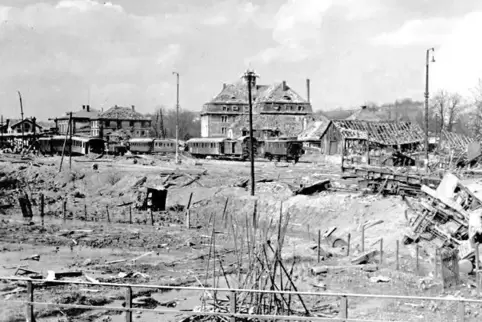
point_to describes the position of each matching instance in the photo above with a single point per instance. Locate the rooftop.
(385, 133)
(122, 113)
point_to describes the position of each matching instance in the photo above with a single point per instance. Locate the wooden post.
(309, 236)
(255, 215)
(63, 148)
(85, 212)
(42, 207)
(461, 311)
(381, 251)
(363, 238)
(130, 214)
(188, 212)
(319, 246)
(152, 217)
(416, 259)
(128, 303)
(65, 209)
(70, 133)
(344, 308)
(348, 246)
(29, 308)
(225, 214)
(232, 304)
(107, 211)
(397, 253)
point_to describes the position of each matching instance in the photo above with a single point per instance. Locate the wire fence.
(233, 313)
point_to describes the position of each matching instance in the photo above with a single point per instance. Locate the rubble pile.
(449, 217)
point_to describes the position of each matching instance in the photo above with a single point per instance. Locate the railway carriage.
(141, 145)
(164, 146)
(289, 150)
(80, 145)
(239, 148)
(203, 147)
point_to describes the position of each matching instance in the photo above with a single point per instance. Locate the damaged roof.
(456, 141)
(122, 113)
(385, 133)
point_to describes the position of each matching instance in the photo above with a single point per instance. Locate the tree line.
(163, 123)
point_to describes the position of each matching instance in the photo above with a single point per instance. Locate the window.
(224, 119)
(300, 108)
(223, 130)
(225, 108)
(235, 108)
(131, 123)
(291, 107)
(287, 98)
(107, 123)
(229, 109)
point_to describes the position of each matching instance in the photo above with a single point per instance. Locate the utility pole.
(21, 113)
(71, 128)
(1, 131)
(427, 63)
(177, 116)
(250, 77)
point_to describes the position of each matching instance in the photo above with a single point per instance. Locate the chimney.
(83, 107)
(88, 108)
(133, 108)
(224, 86)
(308, 90)
(284, 85)
(363, 107)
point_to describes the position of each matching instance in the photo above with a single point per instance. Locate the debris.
(91, 279)
(318, 186)
(380, 279)
(145, 301)
(321, 286)
(365, 257)
(317, 270)
(143, 255)
(35, 257)
(87, 262)
(24, 271)
(172, 303)
(371, 224)
(124, 275)
(465, 266)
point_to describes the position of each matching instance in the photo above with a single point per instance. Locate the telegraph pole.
(177, 116)
(250, 78)
(427, 63)
(21, 113)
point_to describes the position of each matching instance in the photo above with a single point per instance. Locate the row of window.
(277, 144)
(234, 108)
(288, 107)
(204, 145)
(164, 144)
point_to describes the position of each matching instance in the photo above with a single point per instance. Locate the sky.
(62, 54)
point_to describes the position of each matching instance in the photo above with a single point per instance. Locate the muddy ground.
(96, 231)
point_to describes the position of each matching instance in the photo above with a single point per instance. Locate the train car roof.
(283, 140)
(241, 138)
(206, 140)
(141, 140)
(166, 140)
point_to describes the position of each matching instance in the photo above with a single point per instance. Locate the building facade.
(80, 121)
(279, 103)
(120, 118)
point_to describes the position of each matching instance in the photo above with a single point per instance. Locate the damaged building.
(277, 108)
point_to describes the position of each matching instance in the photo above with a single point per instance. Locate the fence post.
(363, 238)
(477, 268)
(42, 207)
(29, 309)
(85, 212)
(107, 210)
(344, 308)
(381, 251)
(461, 311)
(128, 303)
(319, 245)
(232, 303)
(130, 214)
(152, 217)
(397, 255)
(188, 212)
(348, 246)
(64, 209)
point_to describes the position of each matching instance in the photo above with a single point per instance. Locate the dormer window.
(229, 109)
(287, 98)
(300, 108)
(225, 108)
(235, 108)
(276, 107)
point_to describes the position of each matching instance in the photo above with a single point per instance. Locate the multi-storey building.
(227, 112)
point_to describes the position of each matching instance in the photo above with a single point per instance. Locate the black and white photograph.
(240, 160)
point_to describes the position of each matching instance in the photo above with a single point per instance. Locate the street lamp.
(177, 117)
(427, 63)
(250, 77)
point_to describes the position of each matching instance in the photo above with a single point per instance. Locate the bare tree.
(476, 111)
(446, 109)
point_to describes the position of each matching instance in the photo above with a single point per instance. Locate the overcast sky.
(123, 52)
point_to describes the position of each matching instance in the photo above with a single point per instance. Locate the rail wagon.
(164, 146)
(289, 150)
(141, 145)
(203, 147)
(80, 145)
(239, 148)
